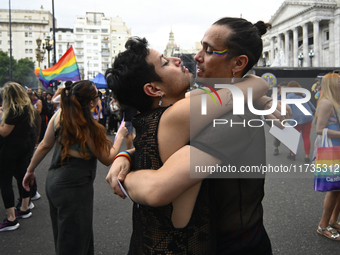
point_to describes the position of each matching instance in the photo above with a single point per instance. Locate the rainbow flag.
(66, 69)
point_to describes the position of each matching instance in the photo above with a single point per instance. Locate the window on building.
(26, 26)
(29, 17)
(60, 37)
(88, 37)
(95, 58)
(114, 37)
(30, 34)
(31, 58)
(79, 30)
(114, 31)
(88, 44)
(326, 35)
(8, 42)
(89, 51)
(104, 30)
(31, 51)
(44, 18)
(79, 37)
(310, 41)
(26, 50)
(0, 42)
(95, 37)
(79, 45)
(95, 65)
(95, 51)
(26, 17)
(26, 42)
(95, 44)
(26, 34)
(68, 36)
(30, 42)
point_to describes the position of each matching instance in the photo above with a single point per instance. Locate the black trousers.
(14, 160)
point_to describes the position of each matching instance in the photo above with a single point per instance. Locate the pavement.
(292, 211)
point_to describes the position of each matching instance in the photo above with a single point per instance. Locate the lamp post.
(311, 55)
(39, 53)
(81, 70)
(48, 45)
(300, 57)
(268, 63)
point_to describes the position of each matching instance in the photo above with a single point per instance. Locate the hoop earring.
(160, 100)
(233, 79)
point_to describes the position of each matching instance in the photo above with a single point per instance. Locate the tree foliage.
(22, 71)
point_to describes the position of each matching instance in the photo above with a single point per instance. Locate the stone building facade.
(304, 33)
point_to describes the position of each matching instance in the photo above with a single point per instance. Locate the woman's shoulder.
(326, 103)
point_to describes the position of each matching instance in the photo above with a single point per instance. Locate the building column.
(316, 43)
(272, 55)
(337, 38)
(306, 61)
(287, 48)
(331, 43)
(295, 47)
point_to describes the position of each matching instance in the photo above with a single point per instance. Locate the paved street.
(292, 210)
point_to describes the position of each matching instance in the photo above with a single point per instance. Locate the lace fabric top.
(153, 231)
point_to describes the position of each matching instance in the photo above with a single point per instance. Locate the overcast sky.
(154, 19)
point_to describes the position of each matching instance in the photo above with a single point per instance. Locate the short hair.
(244, 39)
(130, 72)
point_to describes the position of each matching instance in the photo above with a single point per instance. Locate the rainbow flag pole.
(66, 69)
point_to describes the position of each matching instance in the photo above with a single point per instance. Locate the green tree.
(22, 71)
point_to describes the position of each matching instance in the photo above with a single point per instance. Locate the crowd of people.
(165, 135)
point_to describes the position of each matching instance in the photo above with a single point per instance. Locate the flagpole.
(10, 42)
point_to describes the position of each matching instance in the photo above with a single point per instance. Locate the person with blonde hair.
(303, 122)
(17, 118)
(80, 140)
(327, 116)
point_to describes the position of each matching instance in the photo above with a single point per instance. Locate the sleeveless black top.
(153, 231)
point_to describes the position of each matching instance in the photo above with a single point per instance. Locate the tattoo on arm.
(230, 99)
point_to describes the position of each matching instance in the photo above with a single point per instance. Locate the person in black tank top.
(79, 140)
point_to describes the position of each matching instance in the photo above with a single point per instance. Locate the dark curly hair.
(130, 72)
(244, 39)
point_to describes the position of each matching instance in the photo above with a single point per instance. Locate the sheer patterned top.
(153, 231)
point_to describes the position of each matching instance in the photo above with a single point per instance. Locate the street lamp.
(268, 63)
(39, 53)
(48, 45)
(300, 57)
(81, 70)
(311, 55)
